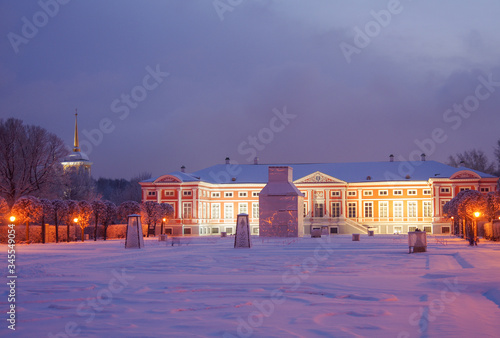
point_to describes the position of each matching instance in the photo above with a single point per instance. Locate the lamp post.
(476, 215)
(75, 220)
(453, 225)
(162, 221)
(13, 218)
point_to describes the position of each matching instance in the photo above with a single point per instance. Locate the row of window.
(383, 209)
(446, 190)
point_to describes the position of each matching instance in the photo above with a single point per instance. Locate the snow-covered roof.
(348, 172)
(76, 156)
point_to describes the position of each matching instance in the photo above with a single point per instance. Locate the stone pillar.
(179, 207)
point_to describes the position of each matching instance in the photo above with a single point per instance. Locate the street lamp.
(162, 221)
(13, 218)
(76, 222)
(476, 215)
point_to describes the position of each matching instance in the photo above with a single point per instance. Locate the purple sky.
(227, 76)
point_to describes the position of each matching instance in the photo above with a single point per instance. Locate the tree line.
(30, 165)
(476, 159)
(468, 207)
(32, 210)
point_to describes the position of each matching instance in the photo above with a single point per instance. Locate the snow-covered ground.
(307, 287)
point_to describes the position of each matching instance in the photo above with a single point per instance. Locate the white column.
(179, 207)
(343, 211)
(327, 202)
(195, 203)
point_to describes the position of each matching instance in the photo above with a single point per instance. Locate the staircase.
(357, 226)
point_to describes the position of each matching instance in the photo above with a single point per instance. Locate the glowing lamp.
(13, 218)
(164, 220)
(476, 214)
(75, 220)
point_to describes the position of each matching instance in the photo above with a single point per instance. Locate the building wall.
(208, 209)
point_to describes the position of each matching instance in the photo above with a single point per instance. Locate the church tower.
(77, 159)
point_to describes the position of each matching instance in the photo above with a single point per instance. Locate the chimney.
(183, 169)
(255, 160)
(391, 158)
(422, 157)
(227, 160)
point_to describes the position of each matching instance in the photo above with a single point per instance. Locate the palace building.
(386, 197)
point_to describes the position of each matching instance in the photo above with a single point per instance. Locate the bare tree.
(29, 160)
(84, 215)
(98, 208)
(128, 208)
(4, 208)
(108, 216)
(27, 209)
(134, 192)
(150, 213)
(60, 209)
(47, 213)
(473, 159)
(497, 155)
(79, 185)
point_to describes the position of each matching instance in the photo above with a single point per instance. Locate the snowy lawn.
(307, 287)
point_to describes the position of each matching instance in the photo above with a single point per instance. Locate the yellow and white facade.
(386, 197)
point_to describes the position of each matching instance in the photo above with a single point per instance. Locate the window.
(397, 192)
(305, 209)
(151, 193)
(216, 194)
(335, 193)
(443, 202)
(445, 229)
(428, 229)
(398, 209)
(204, 210)
(427, 191)
(336, 209)
(485, 189)
(255, 210)
(351, 193)
(255, 230)
(215, 211)
(412, 192)
(398, 230)
(243, 194)
(368, 209)
(367, 192)
(351, 209)
(169, 193)
(229, 230)
(169, 231)
(228, 211)
(187, 193)
(305, 193)
(383, 209)
(412, 209)
(383, 192)
(445, 190)
(427, 209)
(319, 210)
(187, 231)
(243, 208)
(334, 230)
(412, 228)
(215, 230)
(464, 189)
(228, 194)
(255, 194)
(187, 210)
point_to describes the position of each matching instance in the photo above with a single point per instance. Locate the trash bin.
(355, 237)
(371, 232)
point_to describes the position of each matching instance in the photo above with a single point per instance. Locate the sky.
(161, 84)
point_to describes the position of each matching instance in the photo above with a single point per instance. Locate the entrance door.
(319, 210)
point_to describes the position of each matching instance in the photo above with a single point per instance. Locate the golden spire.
(77, 144)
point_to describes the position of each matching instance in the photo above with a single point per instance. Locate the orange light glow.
(75, 220)
(166, 219)
(13, 218)
(477, 213)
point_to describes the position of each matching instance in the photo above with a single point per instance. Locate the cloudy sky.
(160, 84)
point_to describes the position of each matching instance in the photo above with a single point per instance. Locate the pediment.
(318, 177)
(464, 174)
(168, 179)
